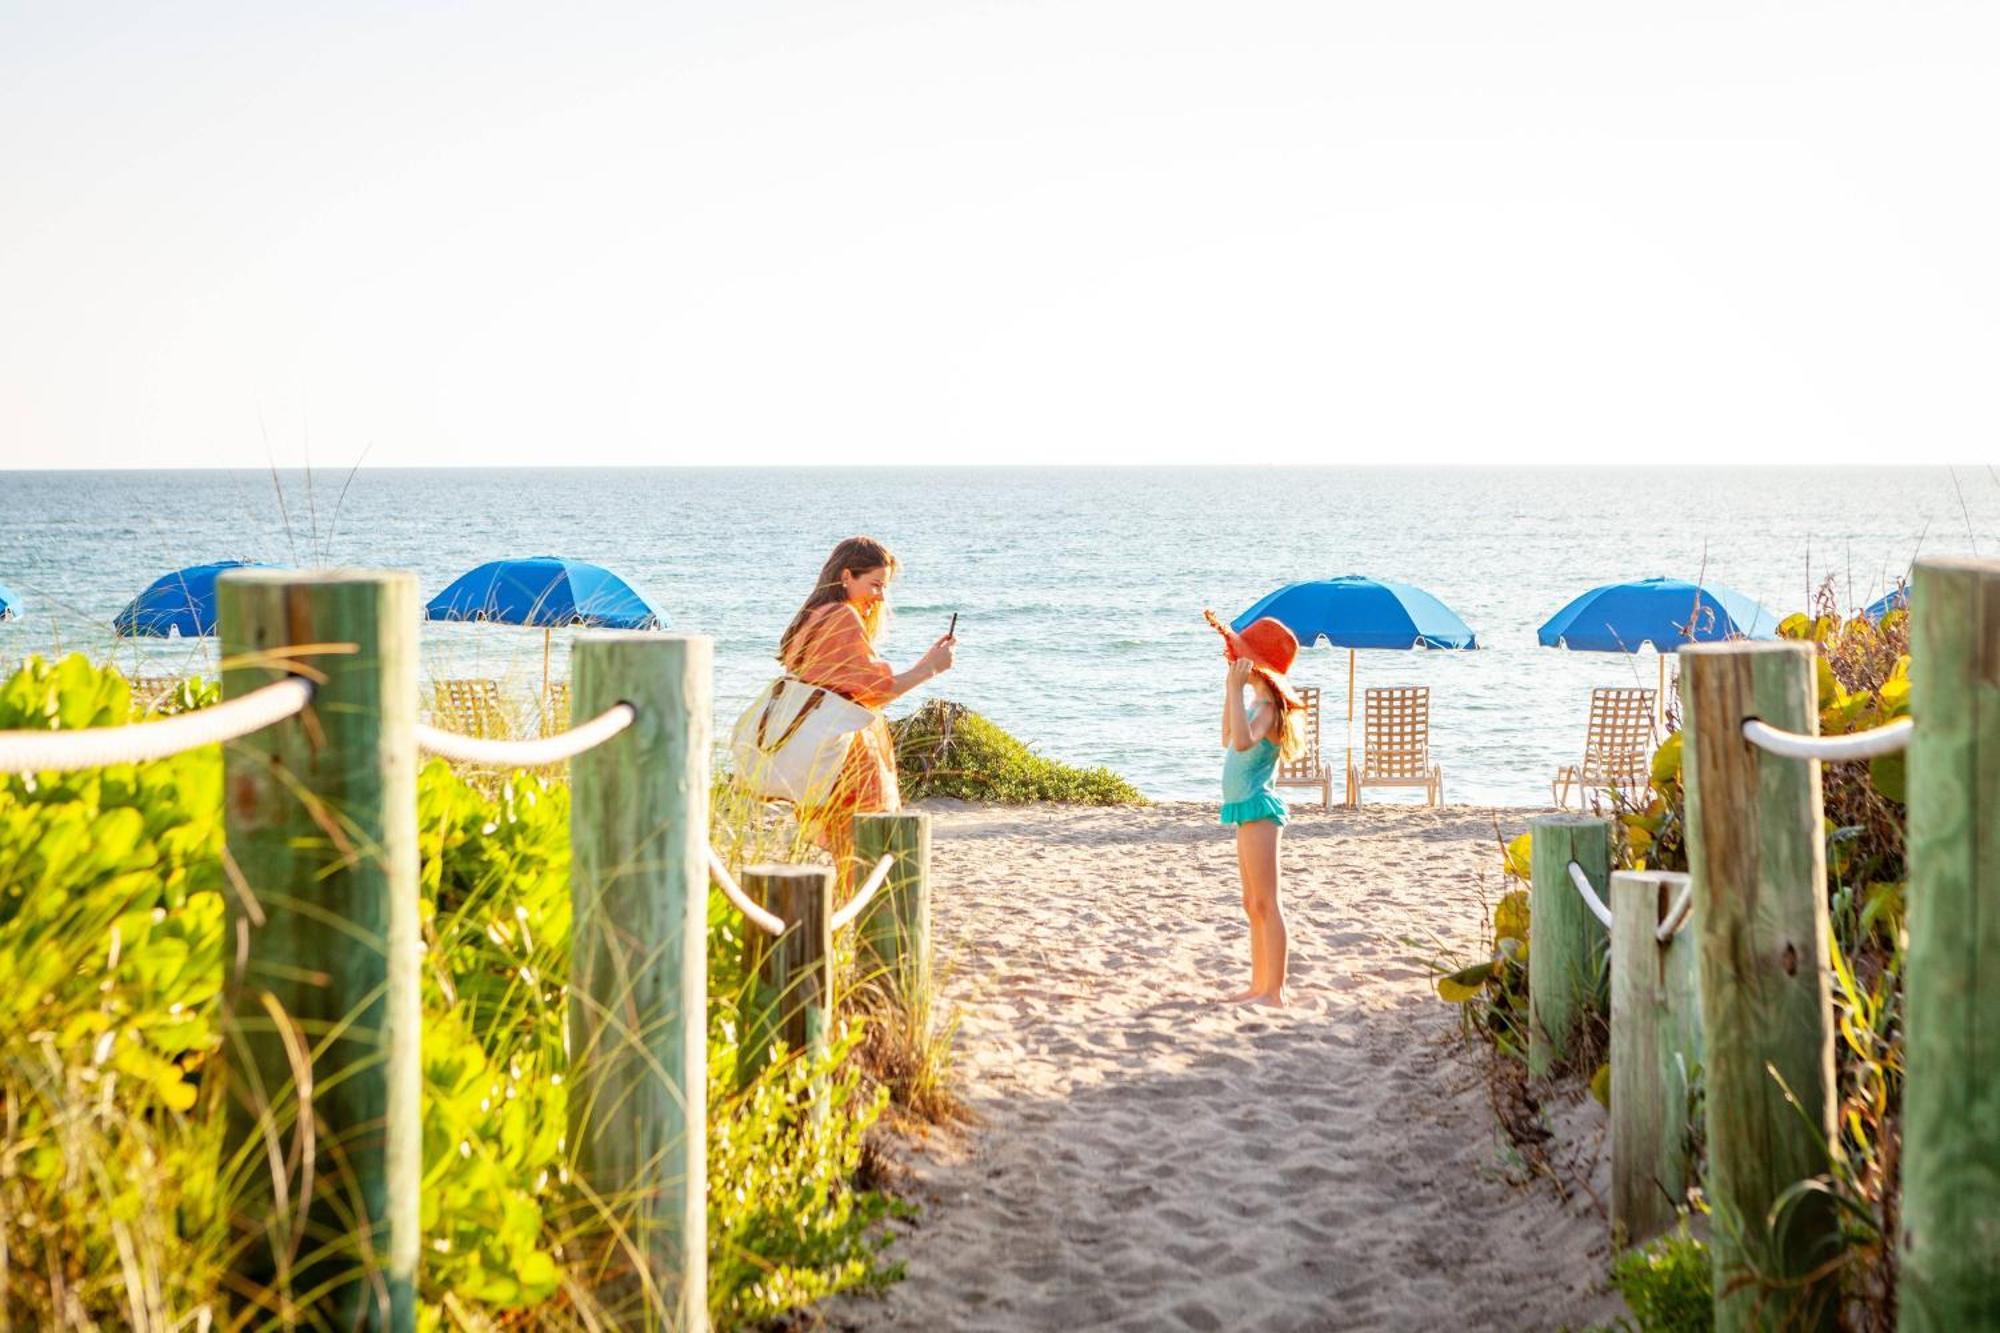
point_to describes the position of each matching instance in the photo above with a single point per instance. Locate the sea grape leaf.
(1890, 774)
(1464, 984)
(1667, 760)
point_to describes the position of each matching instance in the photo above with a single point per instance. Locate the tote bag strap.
(817, 698)
(819, 693)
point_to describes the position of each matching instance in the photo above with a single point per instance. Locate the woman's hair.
(1290, 733)
(856, 555)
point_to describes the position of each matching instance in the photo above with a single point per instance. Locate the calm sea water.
(1079, 592)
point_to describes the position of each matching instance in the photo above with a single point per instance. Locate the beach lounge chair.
(1617, 750)
(149, 692)
(1396, 744)
(555, 708)
(1309, 770)
(470, 708)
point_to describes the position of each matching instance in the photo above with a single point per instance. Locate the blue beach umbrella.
(1355, 612)
(181, 603)
(1619, 617)
(546, 592)
(1623, 617)
(1898, 600)
(9, 604)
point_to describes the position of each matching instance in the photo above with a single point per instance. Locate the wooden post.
(1655, 1049)
(320, 817)
(638, 972)
(1951, 1096)
(1568, 941)
(1757, 853)
(789, 992)
(894, 931)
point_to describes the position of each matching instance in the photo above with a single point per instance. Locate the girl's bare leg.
(1256, 985)
(1257, 850)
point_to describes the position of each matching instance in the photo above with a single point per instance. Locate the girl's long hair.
(856, 555)
(1290, 735)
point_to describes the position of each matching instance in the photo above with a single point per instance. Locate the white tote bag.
(792, 741)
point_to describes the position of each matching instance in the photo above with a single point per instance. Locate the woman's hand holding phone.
(941, 657)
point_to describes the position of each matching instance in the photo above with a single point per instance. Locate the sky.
(1095, 231)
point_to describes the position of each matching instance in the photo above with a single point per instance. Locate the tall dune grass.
(117, 1208)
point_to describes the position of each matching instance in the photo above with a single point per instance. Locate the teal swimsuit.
(1249, 792)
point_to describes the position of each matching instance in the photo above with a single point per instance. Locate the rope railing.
(765, 921)
(1829, 749)
(141, 742)
(1677, 915)
(1589, 895)
(876, 879)
(529, 753)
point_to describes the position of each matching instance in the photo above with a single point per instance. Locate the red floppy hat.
(1271, 647)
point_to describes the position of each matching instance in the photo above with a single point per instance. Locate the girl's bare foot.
(1240, 997)
(1270, 999)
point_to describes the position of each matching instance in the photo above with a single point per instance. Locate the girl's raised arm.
(1237, 735)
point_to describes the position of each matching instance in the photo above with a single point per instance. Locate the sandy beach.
(1148, 1159)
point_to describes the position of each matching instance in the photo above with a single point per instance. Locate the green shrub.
(110, 972)
(1493, 992)
(114, 1198)
(1862, 672)
(946, 749)
(1667, 1285)
(786, 1227)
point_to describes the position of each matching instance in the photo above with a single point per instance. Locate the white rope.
(138, 742)
(845, 916)
(527, 754)
(1830, 749)
(1590, 898)
(755, 915)
(1677, 915)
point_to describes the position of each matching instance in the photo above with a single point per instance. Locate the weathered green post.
(789, 991)
(638, 976)
(1655, 1049)
(1757, 854)
(1569, 940)
(1951, 1094)
(893, 934)
(320, 816)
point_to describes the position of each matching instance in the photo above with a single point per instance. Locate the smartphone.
(953, 631)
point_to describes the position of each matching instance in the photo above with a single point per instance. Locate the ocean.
(1079, 591)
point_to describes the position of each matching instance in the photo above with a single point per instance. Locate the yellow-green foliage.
(786, 1228)
(113, 1197)
(945, 749)
(110, 966)
(1667, 1285)
(1863, 670)
(1494, 992)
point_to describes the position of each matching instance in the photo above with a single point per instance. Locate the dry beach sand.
(1147, 1159)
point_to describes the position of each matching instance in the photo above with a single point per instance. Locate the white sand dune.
(1148, 1159)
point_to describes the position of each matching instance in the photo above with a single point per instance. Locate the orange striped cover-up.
(832, 650)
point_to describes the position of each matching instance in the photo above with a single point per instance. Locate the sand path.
(1149, 1160)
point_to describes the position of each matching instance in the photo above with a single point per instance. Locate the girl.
(831, 643)
(1257, 737)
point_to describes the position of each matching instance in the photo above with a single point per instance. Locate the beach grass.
(946, 749)
(116, 1205)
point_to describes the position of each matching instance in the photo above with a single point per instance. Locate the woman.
(831, 643)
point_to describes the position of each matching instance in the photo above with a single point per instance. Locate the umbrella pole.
(1660, 699)
(1347, 779)
(547, 634)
